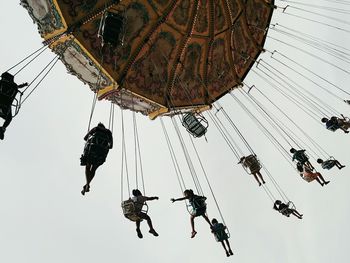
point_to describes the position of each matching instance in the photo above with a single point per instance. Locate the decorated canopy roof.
(177, 54)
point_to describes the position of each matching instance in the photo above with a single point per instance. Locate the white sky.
(44, 218)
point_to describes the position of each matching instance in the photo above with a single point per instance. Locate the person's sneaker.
(327, 182)
(153, 232)
(227, 254)
(231, 253)
(139, 234)
(341, 167)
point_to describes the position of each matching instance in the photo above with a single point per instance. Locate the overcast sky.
(44, 218)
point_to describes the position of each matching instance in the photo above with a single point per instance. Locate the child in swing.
(218, 229)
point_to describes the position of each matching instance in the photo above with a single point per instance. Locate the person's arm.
(89, 133)
(178, 199)
(23, 85)
(151, 198)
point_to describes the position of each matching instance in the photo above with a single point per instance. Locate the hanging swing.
(10, 95)
(112, 29)
(221, 233)
(288, 210)
(198, 206)
(132, 209)
(196, 125)
(96, 149)
(251, 164)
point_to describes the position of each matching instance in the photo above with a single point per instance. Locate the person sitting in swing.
(307, 174)
(218, 229)
(301, 157)
(253, 164)
(98, 142)
(8, 92)
(139, 200)
(335, 123)
(199, 207)
(330, 163)
(284, 209)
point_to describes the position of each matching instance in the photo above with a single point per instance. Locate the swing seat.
(221, 233)
(252, 162)
(333, 127)
(132, 211)
(195, 125)
(329, 163)
(287, 211)
(96, 150)
(198, 206)
(111, 29)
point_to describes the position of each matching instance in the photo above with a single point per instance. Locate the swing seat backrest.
(132, 210)
(195, 125)
(287, 211)
(302, 157)
(333, 127)
(220, 232)
(8, 91)
(101, 139)
(111, 28)
(252, 163)
(198, 206)
(328, 164)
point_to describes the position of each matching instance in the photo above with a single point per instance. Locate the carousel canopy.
(176, 55)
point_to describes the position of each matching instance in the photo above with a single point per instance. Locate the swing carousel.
(178, 58)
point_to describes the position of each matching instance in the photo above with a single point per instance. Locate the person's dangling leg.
(256, 178)
(261, 177)
(193, 234)
(229, 247)
(223, 245)
(149, 222)
(321, 177)
(138, 230)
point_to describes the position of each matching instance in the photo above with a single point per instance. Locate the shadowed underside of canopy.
(177, 54)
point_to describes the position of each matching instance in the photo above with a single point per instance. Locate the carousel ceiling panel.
(244, 48)
(202, 21)
(76, 10)
(189, 87)
(150, 74)
(258, 19)
(115, 60)
(222, 76)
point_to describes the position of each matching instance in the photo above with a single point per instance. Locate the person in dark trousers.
(8, 92)
(330, 163)
(308, 175)
(139, 200)
(284, 209)
(98, 142)
(252, 163)
(301, 157)
(218, 229)
(335, 123)
(198, 205)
